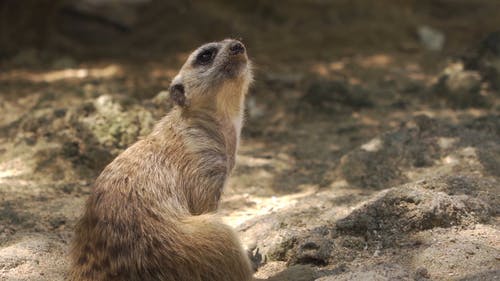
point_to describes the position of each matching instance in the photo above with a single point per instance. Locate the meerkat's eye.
(206, 56)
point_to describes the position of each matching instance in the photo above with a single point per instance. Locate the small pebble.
(422, 272)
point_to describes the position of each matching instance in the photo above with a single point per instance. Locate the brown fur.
(148, 216)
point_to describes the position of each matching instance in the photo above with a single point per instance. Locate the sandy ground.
(351, 169)
(364, 156)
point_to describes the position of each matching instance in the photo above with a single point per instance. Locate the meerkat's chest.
(238, 124)
(237, 121)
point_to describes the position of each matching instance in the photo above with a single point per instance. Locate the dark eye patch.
(206, 56)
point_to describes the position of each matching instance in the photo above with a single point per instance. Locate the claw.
(255, 258)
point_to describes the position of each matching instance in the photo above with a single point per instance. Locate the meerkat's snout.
(236, 48)
(236, 60)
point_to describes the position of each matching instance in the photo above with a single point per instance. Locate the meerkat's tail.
(193, 248)
(216, 250)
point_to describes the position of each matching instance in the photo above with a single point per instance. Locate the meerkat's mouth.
(235, 66)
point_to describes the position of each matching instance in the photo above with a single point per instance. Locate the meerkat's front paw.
(255, 258)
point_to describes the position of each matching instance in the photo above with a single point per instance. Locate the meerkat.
(150, 213)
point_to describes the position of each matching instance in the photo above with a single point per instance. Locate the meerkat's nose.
(236, 48)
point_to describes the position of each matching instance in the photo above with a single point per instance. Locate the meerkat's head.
(215, 76)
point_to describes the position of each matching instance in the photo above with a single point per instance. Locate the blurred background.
(388, 105)
(277, 30)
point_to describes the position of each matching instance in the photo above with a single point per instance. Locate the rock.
(421, 274)
(461, 88)
(458, 80)
(386, 160)
(314, 249)
(474, 186)
(412, 208)
(78, 141)
(282, 248)
(432, 39)
(116, 127)
(380, 162)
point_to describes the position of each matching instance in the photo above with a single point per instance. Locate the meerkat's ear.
(178, 95)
